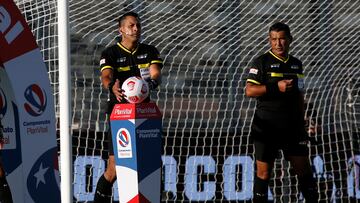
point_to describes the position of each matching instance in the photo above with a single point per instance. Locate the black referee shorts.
(268, 151)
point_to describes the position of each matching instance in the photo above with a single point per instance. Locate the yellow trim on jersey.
(156, 61)
(127, 50)
(145, 65)
(106, 67)
(273, 74)
(125, 68)
(280, 59)
(253, 81)
(277, 75)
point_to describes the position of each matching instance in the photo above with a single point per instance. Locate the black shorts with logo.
(268, 152)
(274, 132)
(277, 128)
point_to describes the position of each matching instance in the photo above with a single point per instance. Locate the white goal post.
(64, 102)
(206, 46)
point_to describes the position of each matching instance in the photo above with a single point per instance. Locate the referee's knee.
(263, 175)
(263, 170)
(110, 172)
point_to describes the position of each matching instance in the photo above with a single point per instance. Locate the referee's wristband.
(110, 86)
(153, 84)
(272, 88)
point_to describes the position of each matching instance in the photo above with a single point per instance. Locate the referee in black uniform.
(276, 80)
(126, 58)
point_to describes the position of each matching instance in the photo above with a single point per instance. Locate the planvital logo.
(36, 100)
(3, 103)
(123, 137)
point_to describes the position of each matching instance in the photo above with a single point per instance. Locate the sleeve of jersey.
(105, 61)
(155, 57)
(254, 73)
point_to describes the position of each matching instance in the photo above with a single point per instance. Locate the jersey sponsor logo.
(142, 56)
(3, 103)
(36, 100)
(102, 61)
(254, 71)
(120, 60)
(276, 65)
(295, 67)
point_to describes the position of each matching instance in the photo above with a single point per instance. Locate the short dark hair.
(122, 18)
(279, 26)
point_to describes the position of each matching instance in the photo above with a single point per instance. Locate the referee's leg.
(265, 156)
(105, 183)
(261, 181)
(307, 182)
(103, 192)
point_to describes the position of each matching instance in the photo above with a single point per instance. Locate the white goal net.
(206, 46)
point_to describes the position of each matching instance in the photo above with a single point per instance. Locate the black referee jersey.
(126, 63)
(278, 114)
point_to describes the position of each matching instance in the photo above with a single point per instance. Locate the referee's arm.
(155, 72)
(106, 77)
(254, 90)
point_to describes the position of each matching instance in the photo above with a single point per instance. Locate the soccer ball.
(136, 90)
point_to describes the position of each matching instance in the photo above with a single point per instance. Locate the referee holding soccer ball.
(125, 59)
(275, 79)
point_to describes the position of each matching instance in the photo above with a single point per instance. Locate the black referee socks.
(103, 191)
(5, 193)
(308, 188)
(260, 191)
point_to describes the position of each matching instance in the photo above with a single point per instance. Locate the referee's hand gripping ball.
(285, 85)
(118, 92)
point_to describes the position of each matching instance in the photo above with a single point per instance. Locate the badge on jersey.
(142, 56)
(301, 84)
(120, 60)
(102, 61)
(277, 65)
(145, 73)
(294, 67)
(253, 71)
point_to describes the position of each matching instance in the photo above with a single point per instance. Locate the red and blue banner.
(136, 132)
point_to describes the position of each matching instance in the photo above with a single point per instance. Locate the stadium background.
(206, 46)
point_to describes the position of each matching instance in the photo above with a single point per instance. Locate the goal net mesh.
(206, 46)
